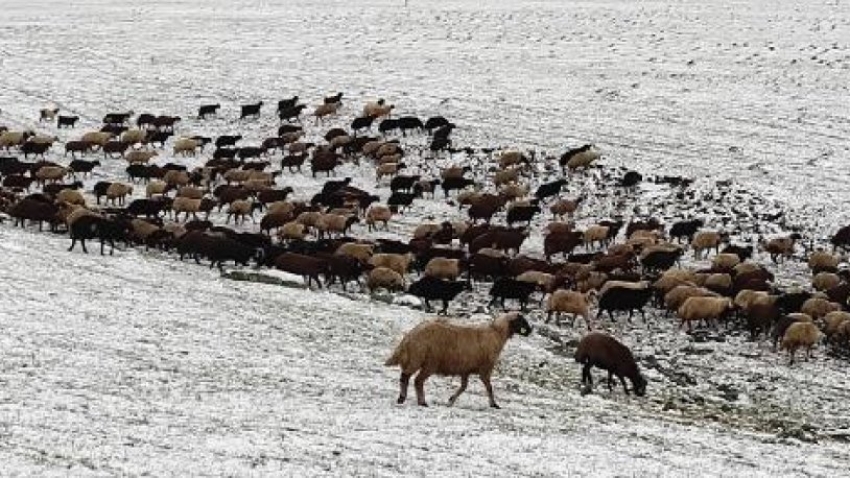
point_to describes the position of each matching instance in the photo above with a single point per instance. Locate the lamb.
(118, 191)
(606, 352)
(705, 240)
(443, 348)
(385, 278)
(817, 307)
(800, 334)
(442, 268)
(824, 281)
(378, 213)
(704, 308)
(397, 262)
(570, 302)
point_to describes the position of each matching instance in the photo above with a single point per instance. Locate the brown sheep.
(570, 302)
(443, 268)
(705, 309)
(118, 191)
(606, 352)
(817, 307)
(378, 213)
(800, 334)
(385, 278)
(443, 348)
(824, 281)
(705, 240)
(397, 262)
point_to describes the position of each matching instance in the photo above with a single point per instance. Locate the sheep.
(431, 288)
(334, 223)
(385, 278)
(47, 114)
(817, 307)
(71, 197)
(378, 213)
(781, 247)
(606, 352)
(239, 209)
(140, 157)
(442, 268)
(822, 261)
(782, 325)
(206, 110)
(397, 262)
(186, 146)
(595, 234)
(543, 280)
(50, 173)
(13, 138)
(685, 229)
(510, 158)
(444, 348)
(720, 283)
(377, 109)
(326, 109)
(98, 138)
(186, 205)
(800, 334)
(292, 231)
(508, 288)
(824, 281)
(175, 178)
(570, 302)
(747, 298)
(156, 188)
(118, 191)
(507, 176)
(725, 262)
(361, 252)
(564, 207)
(581, 159)
(833, 323)
(388, 169)
(704, 308)
(705, 240)
(677, 296)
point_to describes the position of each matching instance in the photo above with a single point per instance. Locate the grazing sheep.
(542, 280)
(118, 191)
(50, 173)
(833, 323)
(509, 288)
(580, 159)
(824, 281)
(306, 266)
(817, 307)
(595, 234)
(338, 224)
(186, 205)
(725, 262)
(397, 262)
(705, 309)
(570, 302)
(603, 351)
(206, 110)
(98, 138)
(443, 348)
(385, 278)
(71, 197)
(326, 109)
(361, 252)
(800, 334)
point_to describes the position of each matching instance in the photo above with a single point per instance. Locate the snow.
(139, 364)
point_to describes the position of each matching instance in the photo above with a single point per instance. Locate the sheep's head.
(517, 324)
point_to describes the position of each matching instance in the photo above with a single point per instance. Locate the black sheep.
(685, 229)
(522, 214)
(404, 183)
(660, 260)
(251, 110)
(337, 98)
(452, 183)
(66, 121)
(631, 179)
(291, 113)
(407, 123)
(287, 103)
(622, 298)
(227, 140)
(509, 288)
(387, 125)
(549, 189)
(207, 110)
(399, 200)
(435, 122)
(600, 350)
(363, 122)
(431, 288)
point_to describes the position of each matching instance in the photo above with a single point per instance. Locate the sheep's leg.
(485, 379)
(73, 243)
(464, 381)
(625, 388)
(419, 384)
(586, 377)
(83, 243)
(610, 381)
(404, 382)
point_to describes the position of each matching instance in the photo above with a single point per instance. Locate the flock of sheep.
(610, 264)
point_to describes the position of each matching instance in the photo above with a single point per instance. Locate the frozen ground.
(140, 365)
(137, 363)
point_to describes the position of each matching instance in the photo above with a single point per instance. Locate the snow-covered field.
(139, 364)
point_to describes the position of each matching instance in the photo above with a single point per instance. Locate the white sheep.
(677, 296)
(583, 159)
(444, 348)
(595, 234)
(51, 173)
(377, 109)
(570, 302)
(187, 206)
(97, 137)
(175, 178)
(156, 188)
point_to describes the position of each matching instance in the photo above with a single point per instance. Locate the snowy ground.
(136, 363)
(150, 367)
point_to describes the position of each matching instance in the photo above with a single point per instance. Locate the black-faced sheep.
(444, 348)
(606, 352)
